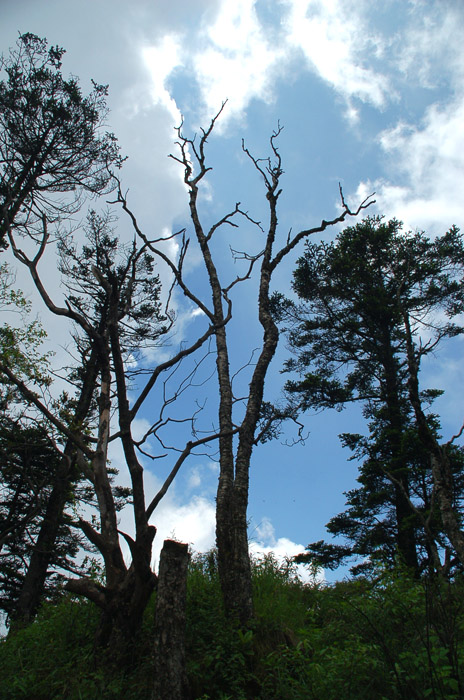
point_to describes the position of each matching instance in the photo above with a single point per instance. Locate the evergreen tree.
(350, 344)
(52, 145)
(29, 463)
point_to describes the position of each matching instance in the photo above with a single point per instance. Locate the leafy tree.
(351, 344)
(29, 463)
(30, 470)
(368, 525)
(52, 146)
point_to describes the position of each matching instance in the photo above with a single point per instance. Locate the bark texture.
(441, 470)
(235, 457)
(170, 679)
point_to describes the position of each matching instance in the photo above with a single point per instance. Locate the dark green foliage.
(359, 295)
(368, 523)
(52, 146)
(105, 272)
(28, 467)
(354, 292)
(385, 637)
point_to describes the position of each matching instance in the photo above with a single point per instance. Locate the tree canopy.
(53, 145)
(350, 343)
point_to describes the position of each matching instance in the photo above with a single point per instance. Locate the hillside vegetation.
(382, 637)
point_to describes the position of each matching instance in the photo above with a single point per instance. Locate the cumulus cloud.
(430, 42)
(238, 63)
(192, 518)
(227, 54)
(234, 54)
(192, 522)
(333, 37)
(265, 542)
(424, 160)
(429, 160)
(161, 60)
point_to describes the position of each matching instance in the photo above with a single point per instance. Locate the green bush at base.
(386, 637)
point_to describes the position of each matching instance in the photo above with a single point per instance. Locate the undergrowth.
(386, 637)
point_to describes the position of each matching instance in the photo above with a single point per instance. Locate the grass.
(384, 638)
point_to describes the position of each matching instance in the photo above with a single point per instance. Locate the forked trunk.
(121, 619)
(233, 554)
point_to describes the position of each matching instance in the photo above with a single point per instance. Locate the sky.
(369, 94)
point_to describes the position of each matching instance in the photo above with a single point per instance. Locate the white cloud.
(430, 159)
(265, 542)
(161, 60)
(337, 45)
(431, 42)
(194, 479)
(193, 522)
(234, 55)
(228, 52)
(238, 62)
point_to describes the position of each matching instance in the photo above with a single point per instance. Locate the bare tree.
(112, 298)
(241, 418)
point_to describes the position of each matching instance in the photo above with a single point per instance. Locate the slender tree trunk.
(170, 677)
(36, 574)
(405, 532)
(406, 539)
(441, 470)
(34, 581)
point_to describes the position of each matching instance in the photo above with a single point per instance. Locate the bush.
(387, 637)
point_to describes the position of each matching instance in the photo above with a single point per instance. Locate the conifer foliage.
(53, 145)
(363, 298)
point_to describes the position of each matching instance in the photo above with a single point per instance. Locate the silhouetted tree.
(52, 143)
(351, 343)
(112, 298)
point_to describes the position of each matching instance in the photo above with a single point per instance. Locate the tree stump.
(170, 681)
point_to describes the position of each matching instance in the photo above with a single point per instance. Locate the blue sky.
(370, 94)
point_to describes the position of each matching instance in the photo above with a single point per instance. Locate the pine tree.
(350, 344)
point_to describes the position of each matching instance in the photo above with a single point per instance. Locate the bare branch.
(367, 202)
(185, 352)
(242, 256)
(191, 445)
(457, 436)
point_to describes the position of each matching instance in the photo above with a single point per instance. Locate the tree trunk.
(405, 532)
(122, 616)
(34, 580)
(170, 679)
(233, 554)
(443, 482)
(405, 537)
(36, 574)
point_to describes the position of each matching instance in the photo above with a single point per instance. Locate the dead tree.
(170, 678)
(235, 454)
(113, 301)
